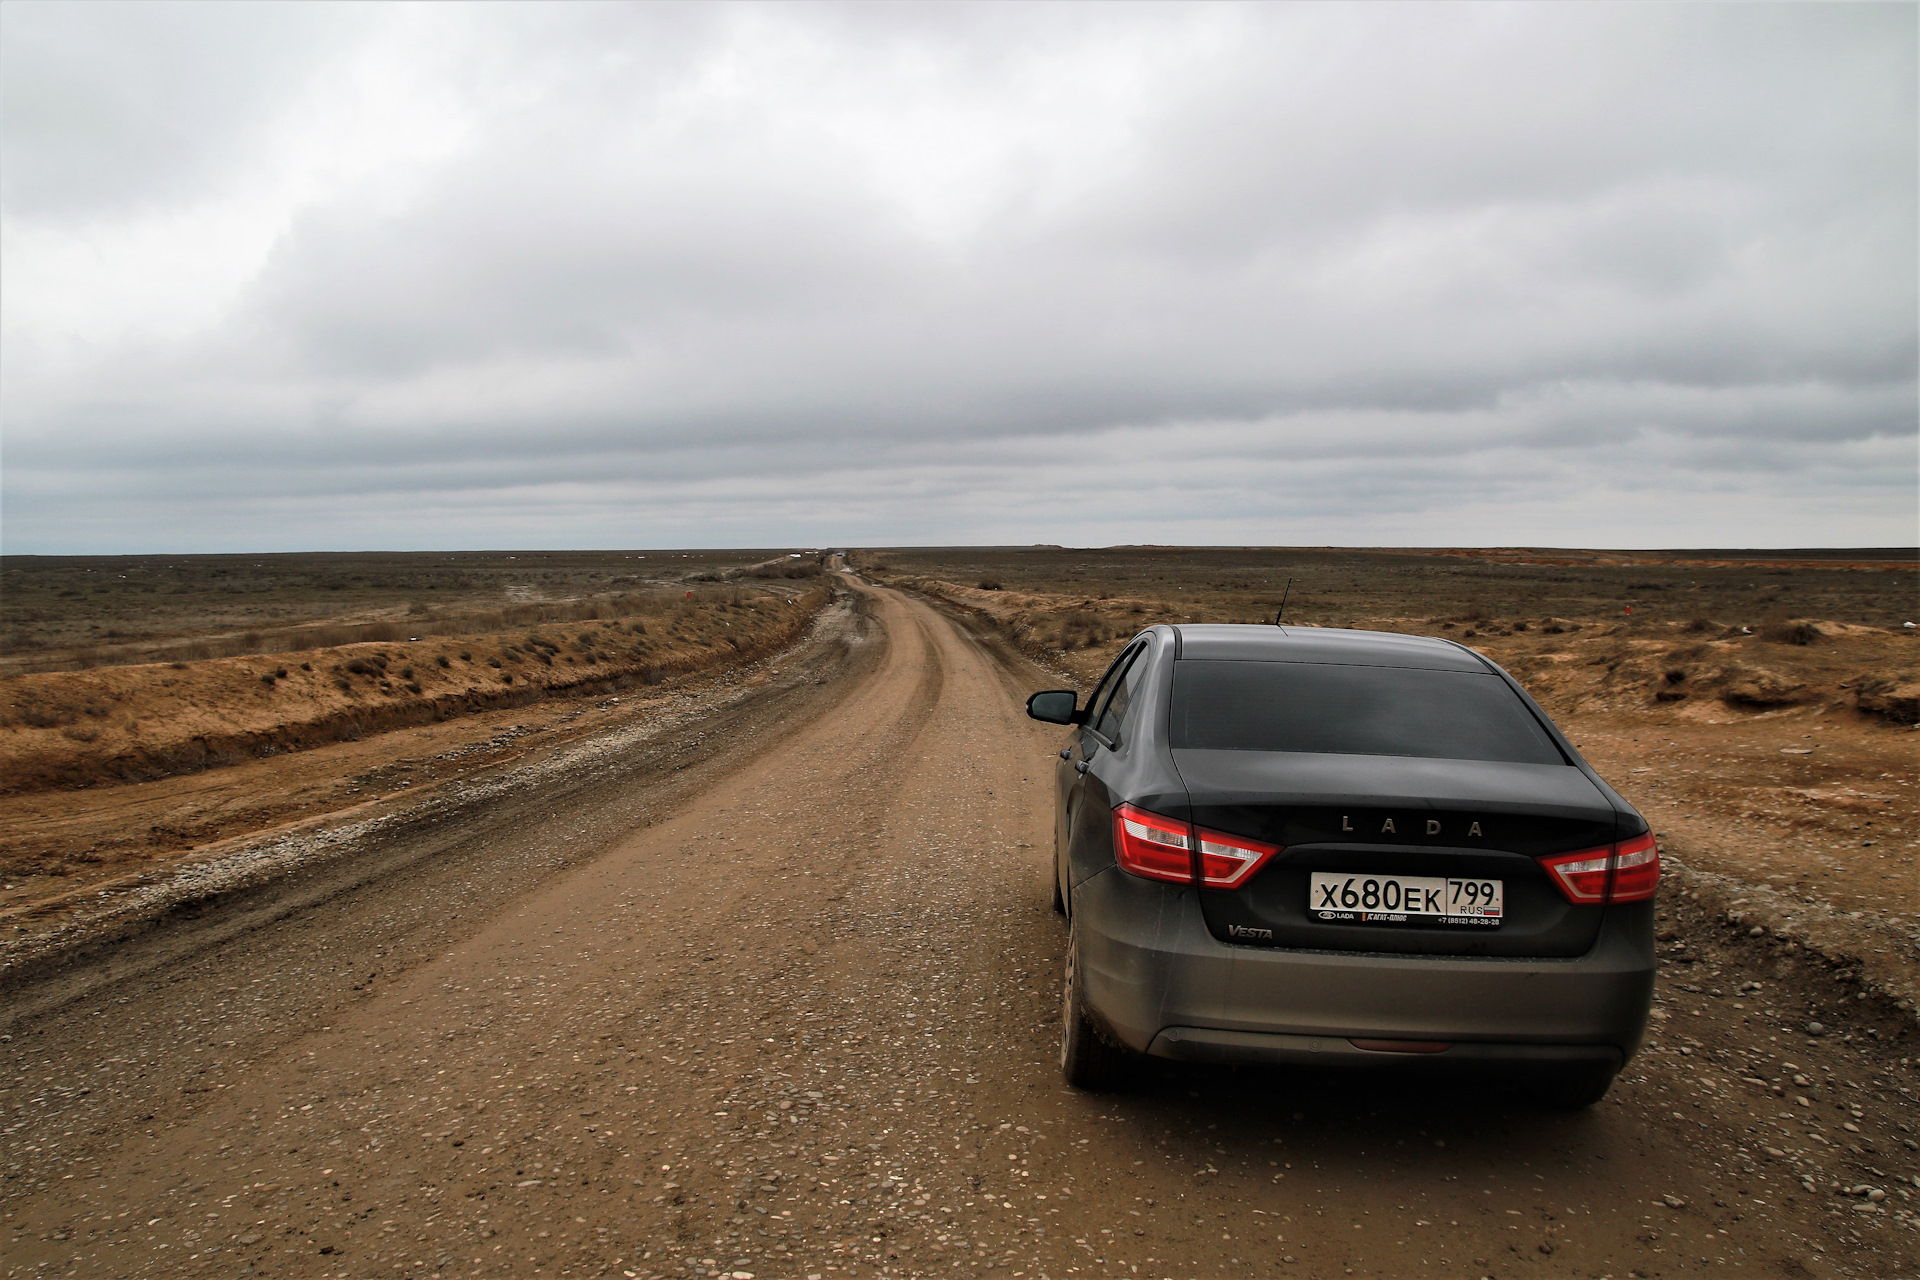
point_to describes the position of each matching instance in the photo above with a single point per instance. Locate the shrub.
(1896, 697)
(803, 568)
(1801, 633)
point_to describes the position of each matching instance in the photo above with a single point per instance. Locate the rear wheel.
(1087, 1059)
(1572, 1088)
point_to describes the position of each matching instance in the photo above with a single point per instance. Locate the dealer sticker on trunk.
(1362, 899)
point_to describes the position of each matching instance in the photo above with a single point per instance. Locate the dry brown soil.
(790, 1012)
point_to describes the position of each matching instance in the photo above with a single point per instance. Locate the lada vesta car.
(1295, 845)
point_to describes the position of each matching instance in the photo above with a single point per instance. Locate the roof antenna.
(1283, 602)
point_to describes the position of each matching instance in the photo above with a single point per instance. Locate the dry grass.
(69, 613)
(1079, 606)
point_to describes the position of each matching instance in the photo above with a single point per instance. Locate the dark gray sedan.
(1296, 845)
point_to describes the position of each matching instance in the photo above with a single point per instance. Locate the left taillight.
(1628, 871)
(1161, 848)
(1152, 846)
(1227, 862)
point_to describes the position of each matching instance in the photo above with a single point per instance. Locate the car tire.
(1088, 1060)
(1572, 1088)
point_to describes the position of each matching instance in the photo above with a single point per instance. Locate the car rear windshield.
(1354, 710)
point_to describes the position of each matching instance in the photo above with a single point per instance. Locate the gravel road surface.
(789, 1012)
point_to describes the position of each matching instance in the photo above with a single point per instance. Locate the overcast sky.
(292, 276)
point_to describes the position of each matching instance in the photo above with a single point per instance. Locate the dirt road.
(791, 1013)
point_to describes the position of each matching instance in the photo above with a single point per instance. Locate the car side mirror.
(1055, 706)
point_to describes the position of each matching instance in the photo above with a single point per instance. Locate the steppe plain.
(714, 942)
(157, 706)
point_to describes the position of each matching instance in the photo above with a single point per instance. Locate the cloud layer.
(601, 275)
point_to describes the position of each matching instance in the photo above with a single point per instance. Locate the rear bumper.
(1262, 1048)
(1162, 984)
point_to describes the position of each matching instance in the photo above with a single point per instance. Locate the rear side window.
(1104, 690)
(1114, 713)
(1352, 710)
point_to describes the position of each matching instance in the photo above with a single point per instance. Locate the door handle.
(1079, 766)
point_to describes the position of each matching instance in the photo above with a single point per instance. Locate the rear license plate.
(1362, 899)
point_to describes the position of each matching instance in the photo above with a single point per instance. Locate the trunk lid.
(1398, 816)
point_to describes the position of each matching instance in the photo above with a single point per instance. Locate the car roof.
(1249, 642)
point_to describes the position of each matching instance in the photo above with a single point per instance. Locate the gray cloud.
(621, 275)
(117, 103)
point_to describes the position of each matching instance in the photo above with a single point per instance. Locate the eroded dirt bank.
(797, 1020)
(222, 750)
(120, 724)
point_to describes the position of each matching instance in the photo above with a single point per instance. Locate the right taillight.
(1628, 871)
(1636, 869)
